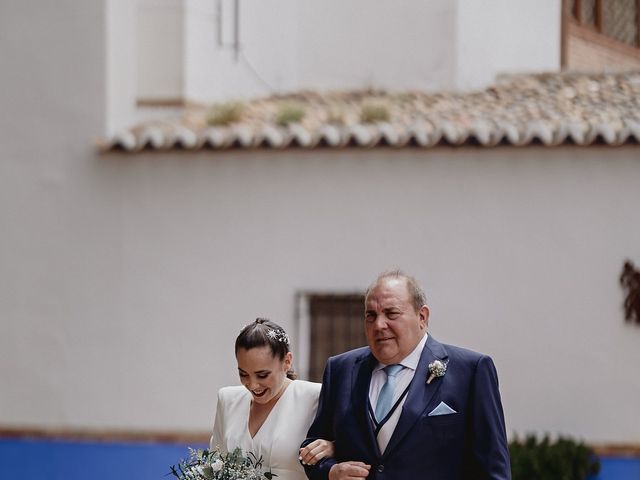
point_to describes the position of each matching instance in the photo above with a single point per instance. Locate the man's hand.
(316, 451)
(349, 471)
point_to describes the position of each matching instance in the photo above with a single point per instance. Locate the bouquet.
(213, 465)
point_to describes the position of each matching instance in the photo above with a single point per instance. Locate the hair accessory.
(279, 335)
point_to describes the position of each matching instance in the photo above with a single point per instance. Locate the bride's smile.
(263, 373)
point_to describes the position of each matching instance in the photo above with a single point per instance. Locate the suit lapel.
(360, 397)
(419, 394)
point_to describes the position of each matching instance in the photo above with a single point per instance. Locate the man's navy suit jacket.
(468, 445)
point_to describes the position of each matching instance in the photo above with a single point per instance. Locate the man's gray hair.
(418, 298)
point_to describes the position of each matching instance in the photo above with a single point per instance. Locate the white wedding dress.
(281, 434)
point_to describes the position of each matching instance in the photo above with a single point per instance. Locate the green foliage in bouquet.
(562, 459)
(213, 465)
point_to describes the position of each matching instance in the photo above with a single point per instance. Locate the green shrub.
(225, 113)
(374, 112)
(289, 113)
(562, 459)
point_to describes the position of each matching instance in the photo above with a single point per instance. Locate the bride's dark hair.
(265, 333)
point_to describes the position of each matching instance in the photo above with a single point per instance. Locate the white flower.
(202, 471)
(212, 465)
(278, 335)
(437, 368)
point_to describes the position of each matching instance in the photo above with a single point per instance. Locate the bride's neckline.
(269, 410)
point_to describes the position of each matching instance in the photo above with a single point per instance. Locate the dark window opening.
(336, 324)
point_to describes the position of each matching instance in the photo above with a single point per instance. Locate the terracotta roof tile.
(551, 109)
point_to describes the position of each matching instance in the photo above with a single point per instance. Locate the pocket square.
(442, 409)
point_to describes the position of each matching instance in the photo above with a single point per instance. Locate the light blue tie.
(385, 399)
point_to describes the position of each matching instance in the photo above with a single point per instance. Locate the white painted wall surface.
(383, 44)
(505, 36)
(125, 278)
(519, 251)
(59, 280)
(265, 62)
(121, 61)
(288, 45)
(160, 49)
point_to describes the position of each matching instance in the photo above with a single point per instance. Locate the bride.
(268, 415)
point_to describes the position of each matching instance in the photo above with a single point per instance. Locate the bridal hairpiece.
(279, 335)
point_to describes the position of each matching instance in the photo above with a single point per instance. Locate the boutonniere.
(437, 369)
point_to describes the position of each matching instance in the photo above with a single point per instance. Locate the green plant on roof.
(225, 113)
(404, 97)
(373, 112)
(289, 113)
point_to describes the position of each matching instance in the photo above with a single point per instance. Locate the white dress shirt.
(403, 379)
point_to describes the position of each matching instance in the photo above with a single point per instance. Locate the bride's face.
(262, 373)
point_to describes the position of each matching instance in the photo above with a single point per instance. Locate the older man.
(408, 407)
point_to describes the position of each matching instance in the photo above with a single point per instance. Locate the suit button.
(380, 468)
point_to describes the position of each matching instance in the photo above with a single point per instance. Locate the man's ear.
(423, 313)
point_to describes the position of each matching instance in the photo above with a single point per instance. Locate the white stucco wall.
(121, 63)
(519, 251)
(290, 45)
(265, 62)
(385, 44)
(505, 36)
(160, 31)
(54, 218)
(125, 278)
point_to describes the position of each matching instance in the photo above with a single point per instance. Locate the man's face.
(392, 325)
